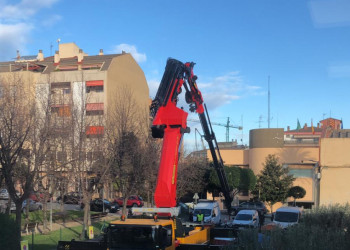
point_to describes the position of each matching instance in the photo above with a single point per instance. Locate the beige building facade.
(72, 82)
(321, 167)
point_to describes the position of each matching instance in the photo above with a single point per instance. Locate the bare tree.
(129, 148)
(191, 175)
(16, 126)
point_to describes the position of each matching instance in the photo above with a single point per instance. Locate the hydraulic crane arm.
(170, 123)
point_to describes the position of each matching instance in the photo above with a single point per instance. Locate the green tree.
(273, 182)
(247, 180)
(239, 179)
(296, 192)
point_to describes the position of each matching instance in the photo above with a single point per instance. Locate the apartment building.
(75, 84)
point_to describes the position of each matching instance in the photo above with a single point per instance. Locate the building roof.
(47, 66)
(304, 130)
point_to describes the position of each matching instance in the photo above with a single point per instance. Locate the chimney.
(18, 55)
(101, 52)
(123, 52)
(40, 56)
(288, 128)
(318, 125)
(80, 56)
(56, 58)
(305, 126)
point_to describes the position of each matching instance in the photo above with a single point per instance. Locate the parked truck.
(159, 228)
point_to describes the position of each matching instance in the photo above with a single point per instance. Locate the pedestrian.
(200, 216)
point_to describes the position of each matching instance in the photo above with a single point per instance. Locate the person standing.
(200, 216)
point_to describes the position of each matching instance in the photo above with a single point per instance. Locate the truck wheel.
(134, 205)
(107, 210)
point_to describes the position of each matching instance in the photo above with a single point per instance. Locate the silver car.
(32, 206)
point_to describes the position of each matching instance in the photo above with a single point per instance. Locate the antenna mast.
(268, 105)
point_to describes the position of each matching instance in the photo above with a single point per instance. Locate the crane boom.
(170, 123)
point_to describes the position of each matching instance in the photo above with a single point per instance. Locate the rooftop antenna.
(242, 128)
(58, 43)
(260, 120)
(51, 46)
(268, 115)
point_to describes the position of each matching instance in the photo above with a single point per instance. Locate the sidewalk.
(69, 224)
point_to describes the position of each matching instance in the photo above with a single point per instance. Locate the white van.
(246, 219)
(287, 216)
(210, 210)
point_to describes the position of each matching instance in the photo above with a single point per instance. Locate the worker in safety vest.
(200, 216)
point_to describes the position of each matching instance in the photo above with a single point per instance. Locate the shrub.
(7, 229)
(323, 228)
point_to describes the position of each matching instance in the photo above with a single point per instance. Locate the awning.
(94, 130)
(94, 83)
(94, 106)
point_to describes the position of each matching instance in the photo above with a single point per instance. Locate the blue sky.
(302, 45)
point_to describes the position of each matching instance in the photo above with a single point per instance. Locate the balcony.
(94, 131)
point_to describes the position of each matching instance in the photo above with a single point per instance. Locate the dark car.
(254, 205)
(133, 201)
(97, 205)
(71, 198)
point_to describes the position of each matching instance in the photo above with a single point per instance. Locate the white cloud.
(339, 70)
(153, 85)
(49, 22)
(328, 13)
(222, 90)
(13, 37)
(139, 57)
(24, 9)
(17, 22)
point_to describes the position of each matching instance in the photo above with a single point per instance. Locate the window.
(61, 110)
(94, 89)
(62, 156)
(301, 172)
(94, 86)
(94, 109)
(60, 85)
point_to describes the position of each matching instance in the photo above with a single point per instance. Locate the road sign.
(195, 197)
(91, 232)
(24, 245)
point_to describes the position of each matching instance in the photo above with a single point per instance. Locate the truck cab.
(141, 234)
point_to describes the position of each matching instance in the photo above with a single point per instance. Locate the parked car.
(133, 201)
(71, 198)
(4, 195)
(33, 205)
(98, 205)
(246, 219)
(252, 205)
(37, 196)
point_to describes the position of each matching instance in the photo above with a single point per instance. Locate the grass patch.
(38, 216)
(49, 241)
